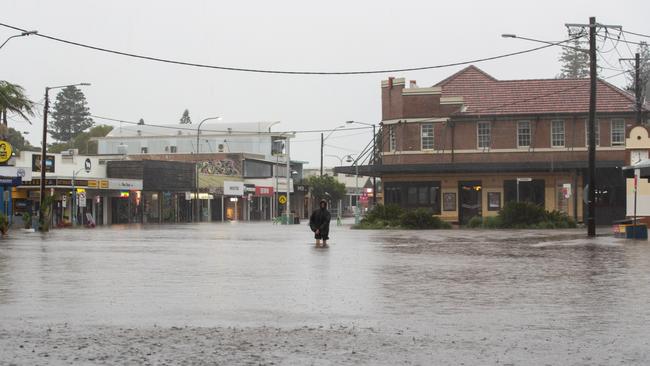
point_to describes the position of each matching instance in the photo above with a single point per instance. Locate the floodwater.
(378, 297)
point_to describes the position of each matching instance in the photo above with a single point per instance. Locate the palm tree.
(13, 99)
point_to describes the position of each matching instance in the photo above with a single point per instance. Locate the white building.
(250, 138)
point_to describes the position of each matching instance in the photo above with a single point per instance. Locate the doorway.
(470, 200)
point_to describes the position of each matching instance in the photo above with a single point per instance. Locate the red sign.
(263, 191)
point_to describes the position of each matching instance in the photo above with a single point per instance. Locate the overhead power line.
(285, 72)
(636, 34)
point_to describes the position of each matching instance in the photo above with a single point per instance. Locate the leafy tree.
(70, 115)
(575, 61)
(83, 141)
(326, 187)
(141, 121)
(18, 142)
(644, 74)
(13, 99)
(185, 119)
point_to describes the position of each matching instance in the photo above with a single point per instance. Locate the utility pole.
(374, 159)
(637, 86)
(593, 80)
(591, 219)
(322, 143)
(41, 208)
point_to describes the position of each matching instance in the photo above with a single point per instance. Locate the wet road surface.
(257, 293)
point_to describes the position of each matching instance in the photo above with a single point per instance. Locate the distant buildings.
(470, 143)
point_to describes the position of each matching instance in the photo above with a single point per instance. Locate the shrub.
(27, 220)
(475, 222)
(560, 220)
(4, 223)
(389, 213)
(422, 219)
(521, 214)
(492, 222)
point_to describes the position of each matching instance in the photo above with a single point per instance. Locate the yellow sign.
(103, 184)
(5, 151)
(282, 199)
(92, 184)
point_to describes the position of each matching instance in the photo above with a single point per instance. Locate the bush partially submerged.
(422, 219)
(523, 215)
(394, 217)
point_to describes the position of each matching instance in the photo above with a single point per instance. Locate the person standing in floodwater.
(319, 222)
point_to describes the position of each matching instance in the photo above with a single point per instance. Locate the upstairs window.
(391, 138)
(523, 134)
(483, 133)
(618, 132)
(557, 133)
(427, 136)
(597, 130)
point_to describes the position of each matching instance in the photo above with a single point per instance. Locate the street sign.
(82, 199)
(282, 199)
(64, 201)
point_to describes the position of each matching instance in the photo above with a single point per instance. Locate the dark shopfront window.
(529, 191)
(413, 195)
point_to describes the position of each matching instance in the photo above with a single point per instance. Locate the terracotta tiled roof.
(485, 95)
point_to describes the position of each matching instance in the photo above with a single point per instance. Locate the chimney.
(413, 84)
(390, 82)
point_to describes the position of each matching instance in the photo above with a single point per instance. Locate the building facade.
(470, 143)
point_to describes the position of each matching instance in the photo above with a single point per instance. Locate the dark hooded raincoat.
(320, 219)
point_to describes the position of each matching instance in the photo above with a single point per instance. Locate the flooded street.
(261, 294)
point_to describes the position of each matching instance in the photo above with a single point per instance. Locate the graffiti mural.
(227, 167)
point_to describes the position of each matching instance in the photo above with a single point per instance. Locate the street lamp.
(338, 157)
(23, 34)
(510, 35)
(322, 144)
(198, 133)
(374, 151)
(41, 218)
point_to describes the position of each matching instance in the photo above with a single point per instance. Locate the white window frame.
(429, 137)
(392, 142)
(553, 122)
(530, 134)
(611, 130)
(587, 133)
(478, 134)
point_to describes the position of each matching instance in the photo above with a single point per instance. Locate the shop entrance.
(470, 199)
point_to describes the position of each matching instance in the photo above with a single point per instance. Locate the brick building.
(470, 143)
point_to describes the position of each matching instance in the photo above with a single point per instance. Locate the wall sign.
(49, 163)
(494, 201)
(449, 201)
(125, 184)
(233, 188)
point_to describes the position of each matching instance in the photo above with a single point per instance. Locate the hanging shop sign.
(282, 199)
(5, 151)
(233, 188)
(264, 191)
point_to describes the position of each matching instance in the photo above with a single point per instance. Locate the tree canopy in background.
(574, 59)
(18, 141)
(326, 187)
(70, 115)
(82, 141)
(185, 118)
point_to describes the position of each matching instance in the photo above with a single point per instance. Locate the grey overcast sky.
(330, 35)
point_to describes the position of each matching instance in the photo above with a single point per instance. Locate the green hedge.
(394, 217)
(523, 215)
